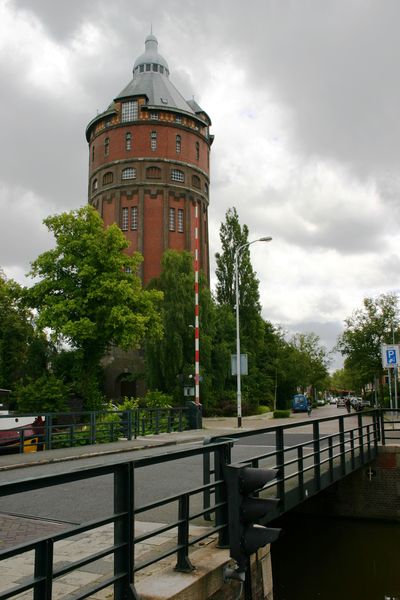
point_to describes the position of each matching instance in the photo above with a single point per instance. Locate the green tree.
(170, 361)
(23, 347)
(256, 386)
(365, 331)
(312, 361)
(89, 294)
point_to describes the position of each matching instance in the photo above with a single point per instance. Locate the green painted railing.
(64, 430)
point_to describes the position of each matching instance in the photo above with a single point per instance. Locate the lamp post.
(238, 365)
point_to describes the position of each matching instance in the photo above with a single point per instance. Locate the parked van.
(300, 403)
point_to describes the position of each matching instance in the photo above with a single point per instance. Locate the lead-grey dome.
(151, 79)
(151, 55)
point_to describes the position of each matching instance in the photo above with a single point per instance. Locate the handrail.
(307, 467)
(66, 429)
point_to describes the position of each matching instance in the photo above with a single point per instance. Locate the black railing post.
(157, 421)
(317, 454)
(42, 589)
(48, 423)
(342, 444)
(21, 440)
(92, 427)
(183, 562)
(124, 556)
(361, 437)
(206, 481)
(280, 463)
(330, 454)
(382, 424)
(300, 468)
(222, 456)
(352, 453)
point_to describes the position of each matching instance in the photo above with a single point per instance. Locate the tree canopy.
(365, 331)
(88, 292)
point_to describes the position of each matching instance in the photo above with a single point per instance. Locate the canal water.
(336, 559)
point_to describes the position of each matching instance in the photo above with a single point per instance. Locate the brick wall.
(372, 492)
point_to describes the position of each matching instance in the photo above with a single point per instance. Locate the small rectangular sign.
(244, 370)
(390, 355)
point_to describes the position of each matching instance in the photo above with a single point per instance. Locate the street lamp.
(238, 365)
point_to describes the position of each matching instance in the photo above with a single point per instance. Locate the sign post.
(390, 360)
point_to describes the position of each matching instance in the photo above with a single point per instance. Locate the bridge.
(310, 455)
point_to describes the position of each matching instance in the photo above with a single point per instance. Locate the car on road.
(340, 403)
(332, 400)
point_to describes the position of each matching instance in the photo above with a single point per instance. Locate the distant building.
(149, 161)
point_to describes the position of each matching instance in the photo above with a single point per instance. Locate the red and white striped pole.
(196, 307)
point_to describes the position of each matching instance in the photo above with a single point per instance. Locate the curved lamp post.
(238, 365)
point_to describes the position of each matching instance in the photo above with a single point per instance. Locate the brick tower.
(149, 165)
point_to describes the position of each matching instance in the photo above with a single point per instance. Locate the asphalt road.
(90, 499)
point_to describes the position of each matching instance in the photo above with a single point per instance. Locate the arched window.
(129, 173)
(108, 178)
(196, 182)
(177, 175)
(94, 185)
(178, 144)
(128, 141)
(153, 173)
(197, 151)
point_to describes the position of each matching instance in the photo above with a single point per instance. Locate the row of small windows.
(153, 144)
(151, 173)
(175, 219)
(151, 67)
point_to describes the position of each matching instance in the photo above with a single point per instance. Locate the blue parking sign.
(391, 356)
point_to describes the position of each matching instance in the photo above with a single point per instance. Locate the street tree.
(376, 323)
(23, 346)
(170, 361)
(89, 295)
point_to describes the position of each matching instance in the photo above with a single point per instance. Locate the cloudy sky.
(304, 97)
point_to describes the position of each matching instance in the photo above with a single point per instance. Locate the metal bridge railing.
(64, 430)
(326, 450)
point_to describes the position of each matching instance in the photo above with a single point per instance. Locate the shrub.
(281, 414)
(45, 394)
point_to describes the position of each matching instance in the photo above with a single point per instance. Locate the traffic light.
(246, 534)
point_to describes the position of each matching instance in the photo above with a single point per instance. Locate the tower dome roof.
(151, 55)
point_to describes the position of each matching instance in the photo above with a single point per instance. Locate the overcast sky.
(304, 97)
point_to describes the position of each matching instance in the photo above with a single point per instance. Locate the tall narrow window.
(172, 219)
(106, 146)
(134, 217)
(124, 219)
(128, 141)
(197, 151)
(93, 153)
(180, 220)
(153, 140)
(129, 111)
(94, 185)
(178, 144)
